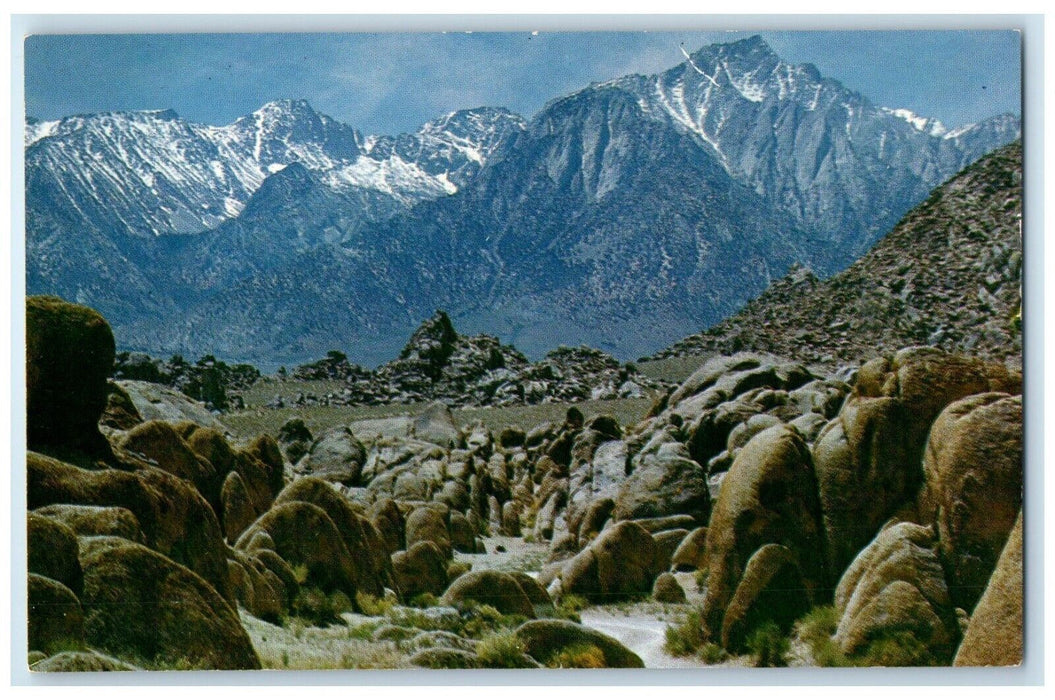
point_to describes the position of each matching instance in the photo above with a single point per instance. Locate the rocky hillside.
(948, 275)
(874, 516)
(439, 364)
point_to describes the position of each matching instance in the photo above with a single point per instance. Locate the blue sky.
(387, 83)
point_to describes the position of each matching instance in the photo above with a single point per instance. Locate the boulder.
(691, 554)
(620, 563)
(666, 542)
(463, 537)
(385, 515)
(236, 509)
(544, 640)
(666, 482)
(175, 519)
(769, 496)
(304, 535)
(420, 569)
(499, 590)
(158, 402)
(511, 519)
(896, 586)
(56, 621)
(436, 424)
(427, 525)
(267, 451)
(594, 519)
(295, 439)
(53, 552)
(80, 662)
(771, 590)
(994, 635)
(337, 456)
(532, 589)
(973, 490)
(120, 412)
(212, 445)
(87, 521)
(159, 443)
(667, 589)
(361, 538)
(69, 357)
(140, 604)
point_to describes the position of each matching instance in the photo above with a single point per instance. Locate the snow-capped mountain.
(625, 215)
(152, 173)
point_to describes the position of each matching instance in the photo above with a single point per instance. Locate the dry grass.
(672, 369)
(304, 648)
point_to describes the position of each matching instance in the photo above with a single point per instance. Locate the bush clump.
(502, 649)
(581, 655)
(318, 609)
(686, 637)
(769, 646)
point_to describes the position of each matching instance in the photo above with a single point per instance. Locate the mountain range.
(624, 216)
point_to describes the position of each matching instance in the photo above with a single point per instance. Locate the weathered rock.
(691, 554)
(455, 494)
(896, 586)
(427, 525)
(80, 662)
(667, 482)
(56, 621)
(267, 451)
(295, 439)
(532, 589)
(594, 519)
(666, 542)
(87, 521)
(494, 588)
(420, 569)
(973, 491)
(166, 612)
(994, 635)
(175, 519)
(157, 402)
(511, 519)
(385, 516)
(511, 436)
(237, 511)
(304, 535)
(621, 562)
(769, 496)
(436, 424)
(120, 412)
(337, 456)
(545, 639)
(463, 537)
(667, 589)
(771, 590)
(158, 442)
(52, 551)
(361, 539)
(69, 356)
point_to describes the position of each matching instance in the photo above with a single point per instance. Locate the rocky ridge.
(948, 275)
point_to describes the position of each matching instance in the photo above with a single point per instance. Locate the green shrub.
(372, 605)
(501, 649)
(896, 648)
(701, 579)
(712, 653)
(686, 637)
(423, 600)
(581, 655)
(319, 609)
(816, 629)
(769, 646)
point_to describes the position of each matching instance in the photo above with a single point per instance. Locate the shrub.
(578, 656)
(501, 649)
(701, 579)
(423, 600)
(815, 630)
(319, 609)
(769, 646)
(896, 648)
(685, 638)
(372, 605)
(713, 654)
